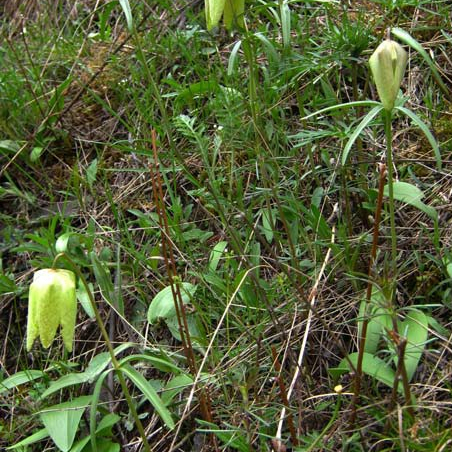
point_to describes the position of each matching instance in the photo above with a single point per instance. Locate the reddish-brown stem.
(170, 264)
(373, 254)
(400, 344)
(285, 400)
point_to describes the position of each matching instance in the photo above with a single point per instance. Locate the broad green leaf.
(216, 254)
(19, 378)
(449, 269)
(175, 386)
(149, 392)
(84, 300)
(436, 326)
(374, 367)
(412, 195)
(125, 5)
(408, 39)
(379, 318)
(359, 128)
(62, 242)
(162, 306)
(194, 329)
(268, 219)
(415, 329)
(34, 438)
(36, 153)
(8, 145)
(425, 130)
(91, 173)
(62, 420)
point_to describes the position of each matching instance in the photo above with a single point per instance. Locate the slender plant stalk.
(283, 393)
(400, 343)
(373, 254)
(114, 361)
(388, 132)
(170, 263)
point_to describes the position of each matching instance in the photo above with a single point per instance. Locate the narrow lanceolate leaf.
(29, 440)
(425, 130)
(94, 405)
(285, 23)
(361, 126)
(20, 378)
(358, 103)
(125, 5)
(409, 40)
(149, 392)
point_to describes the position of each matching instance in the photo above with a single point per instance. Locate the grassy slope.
(254, 196)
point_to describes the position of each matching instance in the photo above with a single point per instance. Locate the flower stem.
(114, 361)
(388, 133)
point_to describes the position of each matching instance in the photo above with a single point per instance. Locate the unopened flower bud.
(233, 10)
(229, 9)
(52, 302)
(388, 64)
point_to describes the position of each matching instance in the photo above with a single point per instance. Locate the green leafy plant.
(62, 285)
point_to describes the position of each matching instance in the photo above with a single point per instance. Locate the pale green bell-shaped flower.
(229, 9)
(388, 64)
(52, 302)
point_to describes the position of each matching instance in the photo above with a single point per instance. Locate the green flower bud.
(233, 9)
(52, 302)
(229, 9)
(388, 64)
(214, 11)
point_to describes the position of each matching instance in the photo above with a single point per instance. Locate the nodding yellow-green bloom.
(52, 302)
(229, 9)
(388, 64)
